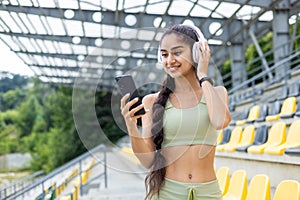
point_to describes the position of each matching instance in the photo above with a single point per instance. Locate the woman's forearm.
(217, 105)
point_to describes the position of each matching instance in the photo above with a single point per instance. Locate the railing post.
(253, 89)
(80, 179)
(14, 188)
(43, 188)
(105, 168)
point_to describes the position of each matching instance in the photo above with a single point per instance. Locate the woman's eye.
(177, 53)
(164, 54)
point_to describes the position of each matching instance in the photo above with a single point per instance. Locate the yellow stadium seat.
(292, 140)
(288, 107)
(66, 198)
(277, 136)
(253, 114)
(259, 188)
(234, 138)
(220, 137)
(247, 139)
(238, 186)
(287, 190)
(75, 193)
(223, 176)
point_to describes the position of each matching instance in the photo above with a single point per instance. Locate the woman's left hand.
(204, 56)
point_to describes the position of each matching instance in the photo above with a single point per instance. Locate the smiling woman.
(180, 126)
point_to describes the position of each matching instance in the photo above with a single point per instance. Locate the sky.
(10, 62)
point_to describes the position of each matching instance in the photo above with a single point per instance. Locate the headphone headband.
(200, 38)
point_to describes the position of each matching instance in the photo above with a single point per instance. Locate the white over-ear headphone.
(201, 39)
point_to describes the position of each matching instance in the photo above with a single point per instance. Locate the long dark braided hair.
(155, 179)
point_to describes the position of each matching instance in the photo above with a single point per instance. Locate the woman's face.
(176, 56)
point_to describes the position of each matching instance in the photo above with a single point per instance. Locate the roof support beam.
(109, 16)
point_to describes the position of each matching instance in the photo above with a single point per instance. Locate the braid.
(155, 179)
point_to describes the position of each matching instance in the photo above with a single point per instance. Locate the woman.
(180, 126)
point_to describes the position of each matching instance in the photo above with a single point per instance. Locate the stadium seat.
(223, 176)
(235, 138)
(276, 137)
(287, 190)
(253, 114)
(294, 89)
(288, 108)
(261, 136)
(283, 93)
(297, 114)
(237, 186)
(259, 188)
(220, 137)
(240, 116)
(293, 151)
(274, 108)
(247, 139)
(263, 113)
(292, 140)
(226, 136)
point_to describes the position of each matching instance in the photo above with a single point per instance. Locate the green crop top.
(188, 126)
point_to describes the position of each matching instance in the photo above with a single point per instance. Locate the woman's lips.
(173, 68)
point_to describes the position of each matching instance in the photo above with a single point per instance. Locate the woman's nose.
(170, 58)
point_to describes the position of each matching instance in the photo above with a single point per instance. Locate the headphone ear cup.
(195, 52)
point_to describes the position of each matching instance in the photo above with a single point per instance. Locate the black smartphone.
(126, 85)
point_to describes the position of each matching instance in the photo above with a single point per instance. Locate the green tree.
(62, 142)
(27, 115)
(11, 99)
(10, 81)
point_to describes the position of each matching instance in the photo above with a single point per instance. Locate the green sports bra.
(188, 126)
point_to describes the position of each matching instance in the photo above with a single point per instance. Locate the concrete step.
(125, 180)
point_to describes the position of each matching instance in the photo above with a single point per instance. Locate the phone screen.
(126, 85)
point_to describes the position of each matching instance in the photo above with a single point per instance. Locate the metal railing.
(252, 80)
(7, 190)
(39, 187)
(260, 69)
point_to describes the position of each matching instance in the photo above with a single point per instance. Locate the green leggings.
(175, 190)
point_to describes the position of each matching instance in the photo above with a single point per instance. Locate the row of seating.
(269, 112)
(233, 99)
(289, 90)
(236, 187)
(292, 90)
(276, 141)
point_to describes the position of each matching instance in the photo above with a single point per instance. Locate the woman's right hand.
(129, 117)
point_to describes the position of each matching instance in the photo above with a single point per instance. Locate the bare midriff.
(194, 164)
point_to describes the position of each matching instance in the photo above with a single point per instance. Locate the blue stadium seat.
(240, 116)
(283, 94)
(263, 113)
(274, 108)
(261, 136)
(294, 89)
(293, 151)
(226, 136)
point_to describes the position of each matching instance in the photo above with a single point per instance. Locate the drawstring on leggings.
(192, 194)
